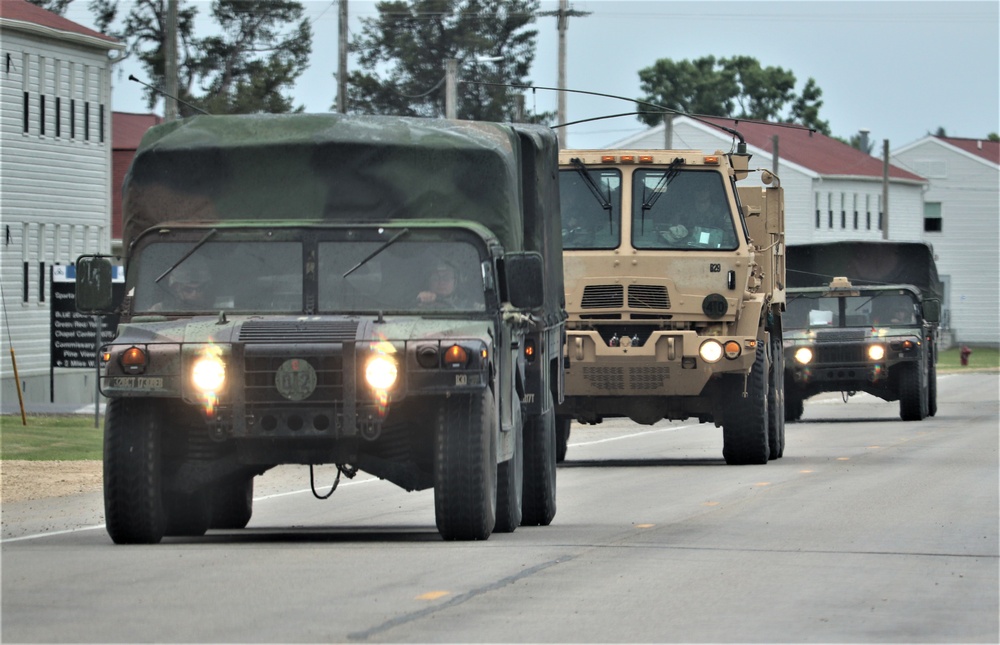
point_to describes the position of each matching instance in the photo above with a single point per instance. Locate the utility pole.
(450, 87)
(342, 59)
(885, 189)
(562, 23)
(774, 155)
(170, 64)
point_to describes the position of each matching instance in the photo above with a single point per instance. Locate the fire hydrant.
(963, 354)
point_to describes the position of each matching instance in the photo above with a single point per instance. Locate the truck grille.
(648, 296)
(603, 296)
(295, 331)
(605, 378)
(648, 378)
(826, 354)
(260, 370)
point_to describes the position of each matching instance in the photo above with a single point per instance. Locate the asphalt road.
(870, 529)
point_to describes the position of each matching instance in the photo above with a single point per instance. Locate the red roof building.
(126, 133)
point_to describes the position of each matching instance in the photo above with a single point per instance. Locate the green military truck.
(674, 290)
(383, 294)
(863, 317)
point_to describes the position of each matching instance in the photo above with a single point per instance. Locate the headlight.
(804, 355)
(381, 372)
(876, 352)
(208, 374)
(710, 351)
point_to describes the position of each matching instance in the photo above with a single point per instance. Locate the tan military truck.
(674, 280)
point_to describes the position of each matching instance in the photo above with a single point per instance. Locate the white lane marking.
(633, 434)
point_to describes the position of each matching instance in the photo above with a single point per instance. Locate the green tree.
(737, 87)
(263, 47)
(402, 51)
(55, 6)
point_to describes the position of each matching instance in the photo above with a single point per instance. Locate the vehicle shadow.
(633, 463)
(314, 535)
(846, 420)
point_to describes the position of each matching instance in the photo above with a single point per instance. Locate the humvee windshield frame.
(864, 309)
(308, 270)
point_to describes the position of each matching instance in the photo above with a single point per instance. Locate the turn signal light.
(732, 349)
(133, 360)
(456, 357)
(529, 350)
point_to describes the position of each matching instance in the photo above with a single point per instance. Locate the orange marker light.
(645, 158)
(456, 356)
(133, 360)
(712, 159)
(628, 159)
(608, 159)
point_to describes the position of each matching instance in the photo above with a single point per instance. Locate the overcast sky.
(900, 69)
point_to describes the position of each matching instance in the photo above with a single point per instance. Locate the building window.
(26, 111)
(880, 213)
(58, 117)
(829, 210)
(41, 114)
(868, 212)
(72, 118)
(819, 215)
(932, 217)
(86, 120)
(102, 124)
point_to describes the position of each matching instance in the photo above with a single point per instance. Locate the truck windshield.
(681, 209)
(406, 276)
(219, 275)
(243, 276)
(867, 310)
(587, 224)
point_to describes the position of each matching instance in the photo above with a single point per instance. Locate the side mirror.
(932, 311)
(525, 279)
(94, 294)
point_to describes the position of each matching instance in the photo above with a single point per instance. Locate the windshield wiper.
(387, 244)
(660, 188)
(197, 246)
(596, 190)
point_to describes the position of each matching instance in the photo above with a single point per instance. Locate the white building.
(962, 221)
(55, 183)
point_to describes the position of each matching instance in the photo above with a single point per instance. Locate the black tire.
(912, 393)
(932, 390)
(540, 467)
(232, 503)
(133, 482)
(745, 429)
(465, 467)
(562, 437)
(776, 400)
(794, 404)
(187, 514)
(510, 488)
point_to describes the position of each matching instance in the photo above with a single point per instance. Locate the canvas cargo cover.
(864, 264)
(542, 224)
(315, 167)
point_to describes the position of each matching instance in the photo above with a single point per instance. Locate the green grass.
(65, 437)
(980, 358)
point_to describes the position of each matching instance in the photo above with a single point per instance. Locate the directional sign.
(74, 335)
